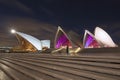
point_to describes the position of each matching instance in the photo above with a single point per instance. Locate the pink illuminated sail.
(90, 41)
(61, 39)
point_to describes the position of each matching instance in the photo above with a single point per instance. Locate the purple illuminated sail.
(90, 41)
(62, 41)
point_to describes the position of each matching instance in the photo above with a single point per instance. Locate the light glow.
(13, 31)
(77, 50)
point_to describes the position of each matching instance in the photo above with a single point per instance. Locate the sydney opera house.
(29, 43)
(96, 59)
(64, 40)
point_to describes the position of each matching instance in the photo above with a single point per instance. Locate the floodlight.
(13, 31)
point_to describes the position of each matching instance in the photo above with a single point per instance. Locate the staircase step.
(13, 73)
(102, 64)
(85, 73)
(53, 73)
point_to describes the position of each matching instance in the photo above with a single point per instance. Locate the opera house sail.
(27, 42)
(61, 39)
(89, 40)
(104, 38)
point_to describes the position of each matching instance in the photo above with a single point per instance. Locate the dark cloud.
(16, 5)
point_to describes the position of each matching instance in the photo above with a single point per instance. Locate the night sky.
(38, 17)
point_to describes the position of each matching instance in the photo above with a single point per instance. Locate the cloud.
(15, 4)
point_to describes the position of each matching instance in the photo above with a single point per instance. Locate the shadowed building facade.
(75, 38)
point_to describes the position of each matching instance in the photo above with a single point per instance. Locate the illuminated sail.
(104, 38)
(61, 39)
(89, 40)
(28, 42)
